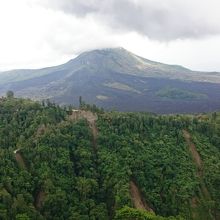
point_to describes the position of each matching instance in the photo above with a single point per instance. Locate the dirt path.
(137, 199)
(19, 159)
(194, 153)
(21, 163)
(91, 118)
(194, 205)
(199, 164)
(94, 135)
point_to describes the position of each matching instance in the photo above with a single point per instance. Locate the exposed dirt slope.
(199, 164)
(91, 118)
(194, 153)
(19, 159)
(79, 114)
(137, 198)
(39, 199)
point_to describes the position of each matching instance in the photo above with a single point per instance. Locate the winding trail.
(137, 199)
(199, 165)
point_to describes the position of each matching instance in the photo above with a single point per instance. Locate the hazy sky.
(38, 33)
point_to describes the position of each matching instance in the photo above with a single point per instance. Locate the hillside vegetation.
(60, 164)
(174, 93)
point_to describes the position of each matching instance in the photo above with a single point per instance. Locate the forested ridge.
(57, 164)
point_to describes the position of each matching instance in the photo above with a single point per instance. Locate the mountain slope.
(116, 78)
(68, 164)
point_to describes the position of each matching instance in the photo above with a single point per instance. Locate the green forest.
(59, 163)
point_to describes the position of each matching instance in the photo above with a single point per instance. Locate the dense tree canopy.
(54, 167)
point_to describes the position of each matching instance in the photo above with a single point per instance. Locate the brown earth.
(19, 159)
(137, 198)
(79, 114)
(41, 130)
(91, 118)
(39, 199)
(21, 163)
(199, 164)
(194, 153)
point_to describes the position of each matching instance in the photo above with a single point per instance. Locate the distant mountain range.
(118, 79)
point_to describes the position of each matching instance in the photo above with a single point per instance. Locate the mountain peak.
(115, 77)
(115, 49)
(106, 51)
(126, 59)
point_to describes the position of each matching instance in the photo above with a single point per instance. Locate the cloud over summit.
(39, 33)
(163, 20)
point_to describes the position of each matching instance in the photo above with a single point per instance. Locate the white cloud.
(38, 33)
(158, 19)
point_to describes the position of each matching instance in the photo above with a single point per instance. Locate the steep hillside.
(60, 163)
(116, 78)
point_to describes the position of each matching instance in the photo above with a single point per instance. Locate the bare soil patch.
(91, 118)
(39, 199)
(194, 153)
(137, 198)
(20, 159)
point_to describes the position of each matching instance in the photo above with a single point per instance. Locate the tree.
(80, 100)
(22, 217)
(10, 94)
